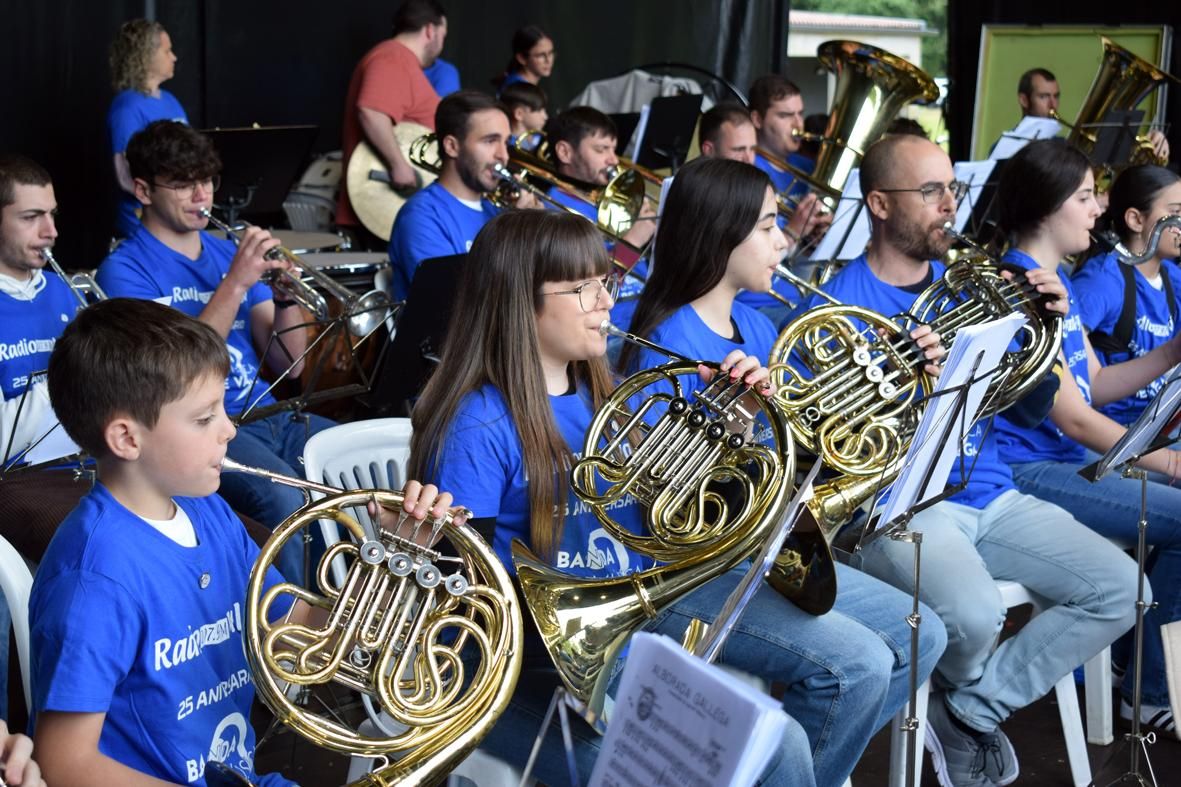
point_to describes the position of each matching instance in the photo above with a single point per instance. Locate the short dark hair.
(576, 124)
(877, 165)
(1025, 84)
(1036, 181)
(414, 15)
(454, 114)
(524, 39)
(1136, 187)
(907, 126)
(125, 356)
(522, 94)
(169, 150)
(17, 170)
(768, 89)
(710, 129)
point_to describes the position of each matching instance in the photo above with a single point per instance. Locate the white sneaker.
(1158, 717)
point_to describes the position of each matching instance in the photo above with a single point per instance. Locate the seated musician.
(170, 259)
(389, 87)
(989, 530)
(537, 286)
(532, 60)
(138, 666)
(719, 225)
(525, 103)
(141, 60)
(1047, 204)
(582, 146)
(443, 219)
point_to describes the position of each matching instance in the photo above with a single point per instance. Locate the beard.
(922, 242)
(470, 172)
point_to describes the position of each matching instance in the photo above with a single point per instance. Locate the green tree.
(934, 12)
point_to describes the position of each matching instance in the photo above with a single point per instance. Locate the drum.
(353, 269)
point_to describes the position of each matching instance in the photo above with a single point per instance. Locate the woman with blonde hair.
(141, 60)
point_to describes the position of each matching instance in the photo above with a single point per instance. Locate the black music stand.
(668, 132)
(625, 128)
(1116, 136)
(422, 329)
(259, 166)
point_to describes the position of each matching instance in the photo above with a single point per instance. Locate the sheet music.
(1029, 129)
(847, 218)
(988, 342)
(680, 721)
(975, 174)
(56, 445)
(637, 141)
(1152, 422)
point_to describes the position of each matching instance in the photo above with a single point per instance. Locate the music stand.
(259, 166)
(422, 329)
(625, 127)
(1117, 135)
(1147, 433)
(664, 142)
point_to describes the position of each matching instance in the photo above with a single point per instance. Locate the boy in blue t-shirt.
(136, 613)
(171, 259)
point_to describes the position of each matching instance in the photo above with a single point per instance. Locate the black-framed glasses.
(933, 192)
(589, 291)
(185, 190)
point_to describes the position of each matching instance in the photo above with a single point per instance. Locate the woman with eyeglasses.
(719, 235)
(1047, 207)
(532, 60)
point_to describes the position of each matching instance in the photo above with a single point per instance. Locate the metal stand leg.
(557, 703)
(1137, 741)
(910, 723)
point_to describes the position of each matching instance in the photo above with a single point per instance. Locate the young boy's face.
(182, 454)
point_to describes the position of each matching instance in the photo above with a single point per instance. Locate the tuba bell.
(712, 496)
(853, 397)
(399, 630)
(872, 87)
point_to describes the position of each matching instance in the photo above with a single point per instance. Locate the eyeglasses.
(542, 55)
(589, 291)
(185, 190)
(933, 192)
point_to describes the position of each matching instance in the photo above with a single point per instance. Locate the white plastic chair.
(16, 581)
(362, 455)
(1014, 594)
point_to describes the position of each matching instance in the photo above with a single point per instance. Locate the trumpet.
(364, 313)
(81, 284)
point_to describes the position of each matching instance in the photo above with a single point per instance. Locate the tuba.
(399, 630)
(872, 87)
(712, 496)
(854, 397)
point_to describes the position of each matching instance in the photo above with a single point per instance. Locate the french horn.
(399, 629)
(851, 385)
(711, 494)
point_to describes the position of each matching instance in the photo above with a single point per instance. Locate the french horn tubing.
(434, 640)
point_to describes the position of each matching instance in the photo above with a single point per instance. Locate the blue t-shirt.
(1099, 286)
(432, 223)
(510, 78)
(143, 267)
(443, 76)
(685, 332)
(857, 285)
(1046, 441)
(130, 112)
(480, 460)
(28, 331)
(137, 634)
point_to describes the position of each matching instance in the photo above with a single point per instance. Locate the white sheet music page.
(1029, 129)
(850, 219)
(975, 174)
(680, 721)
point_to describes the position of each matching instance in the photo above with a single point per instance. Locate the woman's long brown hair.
(493, 340)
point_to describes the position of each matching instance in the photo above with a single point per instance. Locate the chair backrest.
(16, 581)
(362, 455)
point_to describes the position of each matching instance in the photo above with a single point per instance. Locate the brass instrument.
(402, 628)
(872, 87)
(1123, 81)
(1152, 245)
(671, 450)
(854, 398)
(81, 284)
(363, 313)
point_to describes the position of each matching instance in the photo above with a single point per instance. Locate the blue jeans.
(846, 672)
(1091, 583)
(1111, 507)
(274, 443)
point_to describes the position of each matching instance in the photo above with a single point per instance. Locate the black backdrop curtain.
(965, 20)
(289, 61)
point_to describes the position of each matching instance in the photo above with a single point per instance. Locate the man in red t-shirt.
(389, 87)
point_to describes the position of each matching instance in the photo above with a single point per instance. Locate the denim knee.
(973, 625)
(791, 764)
